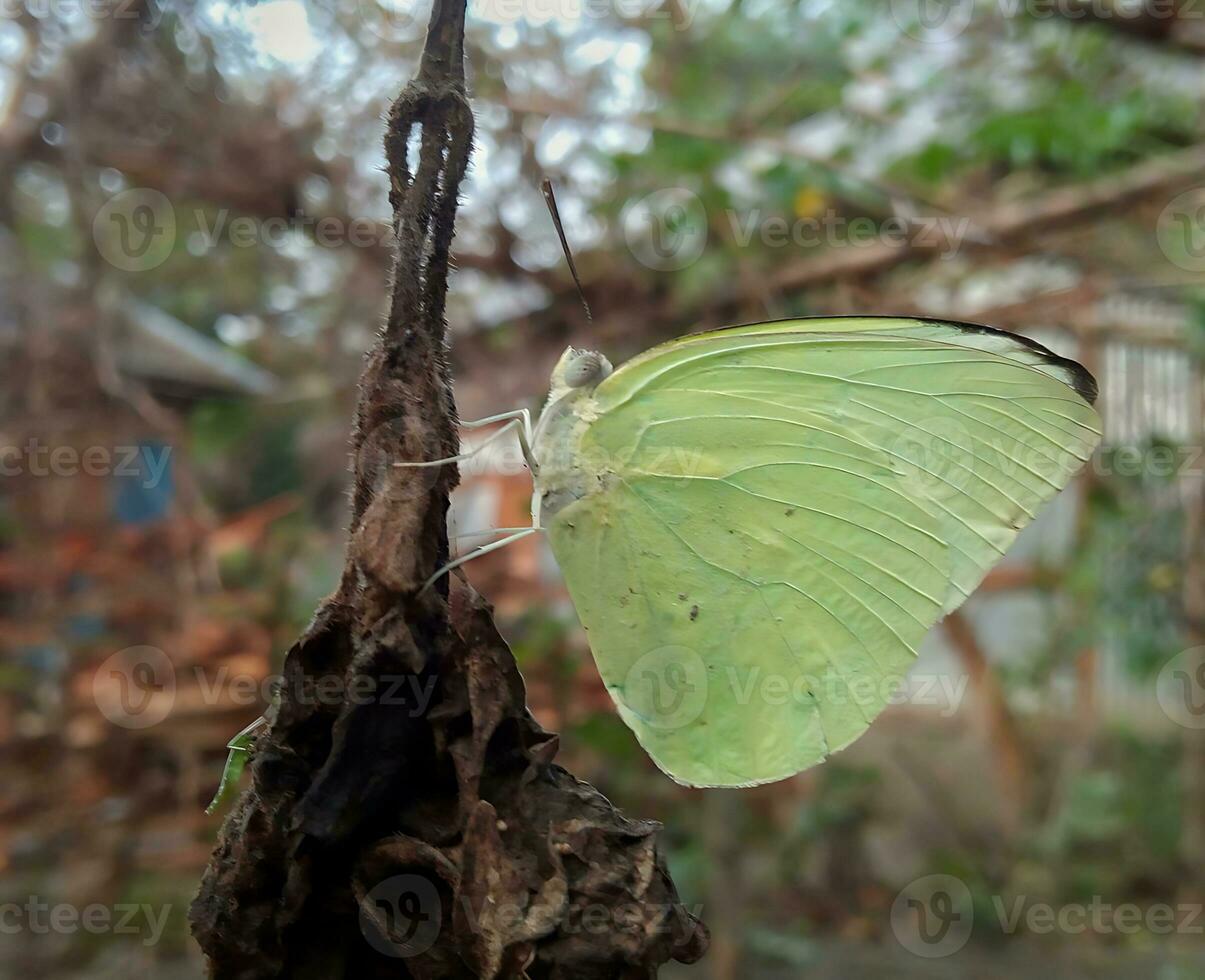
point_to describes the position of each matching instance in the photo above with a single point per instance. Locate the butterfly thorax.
(563, 477)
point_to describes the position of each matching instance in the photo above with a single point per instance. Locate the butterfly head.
(580, 369)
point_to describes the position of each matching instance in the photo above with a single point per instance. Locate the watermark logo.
(932, 21)
(1097, 916)
(944, 692)
(247, 231)
(936, 457)
(829, 228)
(940, 21)
(573, 919)
(39, 918)
(396, 21)
(932, 916)
(401, 916)
(136, 687)
(135, 230)
(667, 229)
(669, 687)
(400, 21)
(539, 12)
(1181, 230)
(1159, 460)
(1180, 688)
(146, 464)
(666, 688)
(150, 15)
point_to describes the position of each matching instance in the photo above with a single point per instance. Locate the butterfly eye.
(586, 367)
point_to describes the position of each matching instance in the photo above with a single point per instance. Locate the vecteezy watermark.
(934, 916)
(404, 20)
(1158, 460)
(1181, 230)
(136, 688)
(1180, 688)
(577, 918)
(942, 234)
(1097, 916)
(668, 230)
(944, 692)
(940, 21)
(245, 231)
(40, 918)
(34, 458)
(395, 21)
(938, 455)
(402, 915)
(59, 10)
(942, 457)
(500, 453)
(938, 458)
(668, 688)
(135, 230)
(932, 21)
(541, 11)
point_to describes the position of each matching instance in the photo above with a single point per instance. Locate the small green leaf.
(228, 785)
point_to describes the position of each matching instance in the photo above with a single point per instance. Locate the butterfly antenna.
(550, 200)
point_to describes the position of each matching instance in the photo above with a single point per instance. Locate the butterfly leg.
(520, 414)
(525, 432)
(487, 531)
(476, 449)
(236, 759)
(519, 418)
(484, 549)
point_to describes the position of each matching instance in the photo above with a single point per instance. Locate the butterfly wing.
(778, 513)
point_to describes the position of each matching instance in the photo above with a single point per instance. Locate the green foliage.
(540, 637)
(161, 893)
(9, 525)
(1078, 132)
(778, 67)
(217, 427)
(607, 735)
(781, 947)
(1196, 327)
(847, 797)
(934, 164)
(255, 448)
(1105, 835)
(1125, 581)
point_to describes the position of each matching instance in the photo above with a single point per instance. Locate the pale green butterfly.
(758, 525)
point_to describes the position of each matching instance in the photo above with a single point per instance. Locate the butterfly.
(758, 525)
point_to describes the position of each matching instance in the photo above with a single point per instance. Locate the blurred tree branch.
(1002, 733)
(1173, 22)
(1012, 221)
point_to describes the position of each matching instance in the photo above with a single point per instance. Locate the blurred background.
(194, 250)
